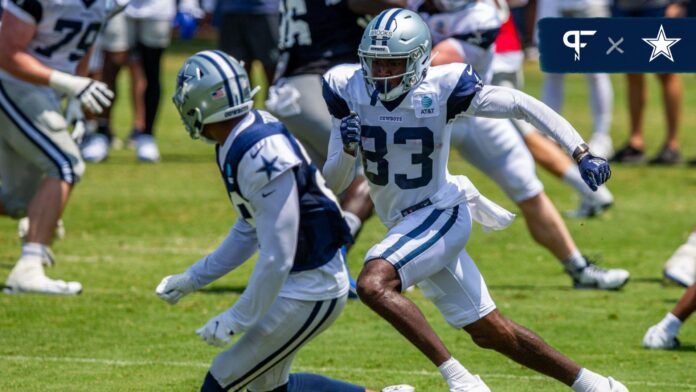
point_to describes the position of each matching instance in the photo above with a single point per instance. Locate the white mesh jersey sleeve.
(239, 245)
(503, 102)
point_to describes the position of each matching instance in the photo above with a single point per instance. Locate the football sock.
(33, 249)
(671, 324)
(601, 101)
(692, 238)
(575, 262)
(552, 91)
(572, 177)
(308, 382)
(353, 222)
(589, 381)
(454, 373)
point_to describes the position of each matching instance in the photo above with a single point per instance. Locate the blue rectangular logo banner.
(625, 45)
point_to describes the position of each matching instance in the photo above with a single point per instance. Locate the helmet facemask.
(392, 86)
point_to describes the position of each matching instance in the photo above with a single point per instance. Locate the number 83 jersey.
(65, 29)
(405, 143)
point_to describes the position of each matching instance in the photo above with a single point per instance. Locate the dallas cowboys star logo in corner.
(661, 45)
(269, 166)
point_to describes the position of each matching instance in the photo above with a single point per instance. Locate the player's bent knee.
(493, 332)
(375, 280)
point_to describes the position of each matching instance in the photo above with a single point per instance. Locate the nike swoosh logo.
(266, 194)
(253, 156)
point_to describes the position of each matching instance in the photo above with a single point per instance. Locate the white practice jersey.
(405, 148)
(151, 9)
(478, 24)
(474, 29)
(65, 31)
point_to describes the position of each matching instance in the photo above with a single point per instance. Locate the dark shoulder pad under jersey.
(463, 92)
(32, 7)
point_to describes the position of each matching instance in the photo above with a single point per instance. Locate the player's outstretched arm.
(503, 102)
(239, 245)
(277, 215)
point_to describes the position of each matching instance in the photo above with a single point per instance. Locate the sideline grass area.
(130, 224)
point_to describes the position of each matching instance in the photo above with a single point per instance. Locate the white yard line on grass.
(321, 369)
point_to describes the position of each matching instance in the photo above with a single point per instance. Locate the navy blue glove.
(350, 132)
(595, 171)
(187, 25)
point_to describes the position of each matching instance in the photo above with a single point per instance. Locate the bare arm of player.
(83, 66)
(277, 213)
(503, 102)
(239, 245)
(339, 168)
(15, 36)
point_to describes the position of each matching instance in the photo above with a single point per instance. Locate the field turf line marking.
(320, 369)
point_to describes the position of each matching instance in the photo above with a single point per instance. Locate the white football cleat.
(681, 267)
(616, 386)
(594, 277)
(659, 338)
(23, 229)
(95, 148)
(473, 384)
(593, 205)
(399, 388)
(28, 277)
(601, 145)
(146, 149)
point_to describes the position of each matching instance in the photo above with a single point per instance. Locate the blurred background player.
(672, 92)
(601, 98)
(466, 32)
(140, 35)
(508, 71)
(44, 46)
(680, 268)
(248, 31)
(299, 285)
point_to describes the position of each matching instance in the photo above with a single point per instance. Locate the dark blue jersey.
(315, 35)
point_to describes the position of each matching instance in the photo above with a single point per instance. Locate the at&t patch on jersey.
(426, 105)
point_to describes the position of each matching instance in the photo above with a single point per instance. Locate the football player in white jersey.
(44, 47)
(395, 110)
(466, 33)
(299, 284)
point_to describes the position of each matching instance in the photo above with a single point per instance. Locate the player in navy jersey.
(396, 111)
(299, 284)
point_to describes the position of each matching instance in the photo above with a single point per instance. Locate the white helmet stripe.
(229, 74)
(206, 55)
(226, 59)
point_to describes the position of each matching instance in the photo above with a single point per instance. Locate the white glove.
(173, 287)
(74, 115)
(93, 95)
(218, 330)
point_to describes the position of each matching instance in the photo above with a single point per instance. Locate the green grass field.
(130, 224)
